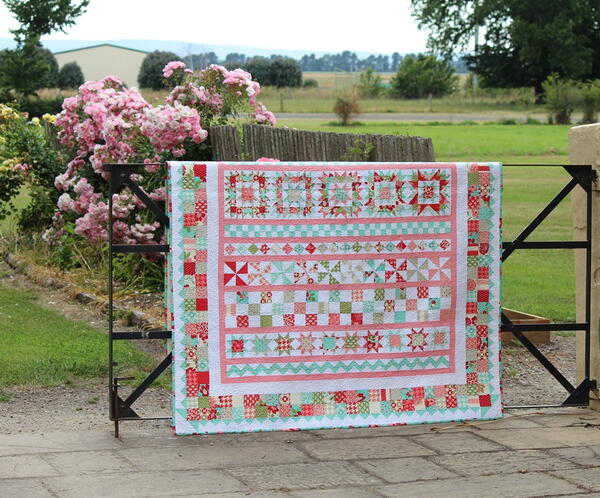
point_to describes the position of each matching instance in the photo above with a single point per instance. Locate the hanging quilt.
(313, 295)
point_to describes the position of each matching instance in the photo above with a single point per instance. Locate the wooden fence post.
(584, 148)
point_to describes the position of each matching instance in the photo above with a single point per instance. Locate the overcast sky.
(383, 26)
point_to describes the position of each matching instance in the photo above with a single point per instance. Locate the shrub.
(36, 107)
(27, 158)
(310, 83)
(70, 76)
(346, 107)
(151, 72)
(421, 75)
(285, 72)
(369, 84)
(590, 101)
(260, 69)
(105, 122)
(562, 96)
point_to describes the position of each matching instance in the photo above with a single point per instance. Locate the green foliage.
(310, 83)
(42, 17)
(285, 73)
(25, 69)
(27, 157)
(51, 80)
(37, 215)
(70, 76)
(590, 101)
(369, 84)
(523, 42)
(562, 96)
(260, 69)
(151, 75)
(36, 107)
(421, 75)
(346, 106)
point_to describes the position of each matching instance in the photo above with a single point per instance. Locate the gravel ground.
(85, 407)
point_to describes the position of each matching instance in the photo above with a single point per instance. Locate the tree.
(523, 41)
(52, 77)
(24, 70)
(70, 76)
(285, 72)
(151, 75)
(28, 67)
(42, 17)
(260, 69)
(369, 84)
(421, 75)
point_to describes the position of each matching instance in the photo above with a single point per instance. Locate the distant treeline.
(343, 61)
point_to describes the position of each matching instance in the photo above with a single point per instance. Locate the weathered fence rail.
(252, 142)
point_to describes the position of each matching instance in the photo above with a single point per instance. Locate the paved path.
(425, 116)
(539, 453)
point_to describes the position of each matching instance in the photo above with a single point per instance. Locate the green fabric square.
(266, 321)
(254, 309)
(312, 296)
(368, 307)
(345, 307)
(189, 304)
(379, 294)
(434, 303)
(277, 308)
(334, 296)
(399, 316)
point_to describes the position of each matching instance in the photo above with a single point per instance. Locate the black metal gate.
(583, 175)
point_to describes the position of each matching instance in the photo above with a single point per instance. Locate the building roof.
(101, 45)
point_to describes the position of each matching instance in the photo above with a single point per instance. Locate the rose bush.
(106, 122)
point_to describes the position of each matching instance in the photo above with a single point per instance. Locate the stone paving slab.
(502, 462)
(510, 485)
(207, 482)
(24, 488)
(522, 439)
(25, 466)
(406, 469)
(89, 462)
(305, 476)
(588, 477)
(215, 456)
(457, 442)
(585, 456)
(364, 448)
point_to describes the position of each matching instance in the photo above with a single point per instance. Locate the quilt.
(315, 295)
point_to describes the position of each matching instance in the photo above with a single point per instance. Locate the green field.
(39, 347)
(539, 282)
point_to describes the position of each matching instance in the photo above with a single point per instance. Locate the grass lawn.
(539, 282)
(39, 347)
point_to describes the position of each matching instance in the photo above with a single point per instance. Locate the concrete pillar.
(584, 148)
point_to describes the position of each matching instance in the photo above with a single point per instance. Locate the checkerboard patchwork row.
(342, 342)
(310, 230)
(399, 246)
(319, 194)
(378, 306)
(268, 355)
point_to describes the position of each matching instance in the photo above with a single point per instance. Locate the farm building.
(99, 61)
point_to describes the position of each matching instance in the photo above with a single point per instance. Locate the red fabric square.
(200, 171)
(201, 304)
(485, 400)
(189, 268)
(356, 318)
(483, 296)
(189, 220)
(242, 321)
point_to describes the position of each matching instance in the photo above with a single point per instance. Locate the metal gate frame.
(583, 175)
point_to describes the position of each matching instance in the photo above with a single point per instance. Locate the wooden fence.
(252, 142)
